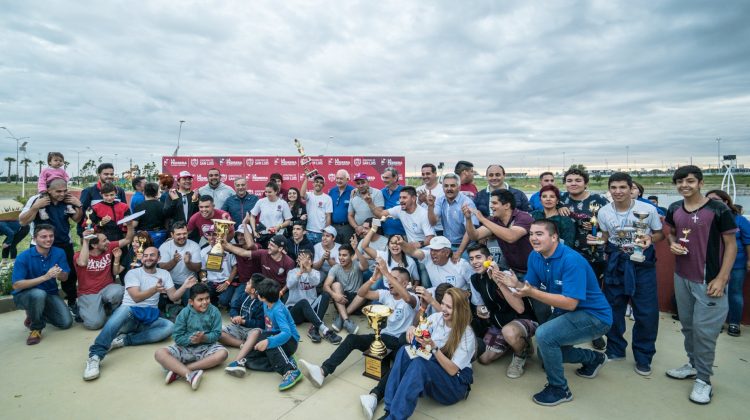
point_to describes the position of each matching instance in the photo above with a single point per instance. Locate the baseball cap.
(185, 174)
(279, 240)
(319, 177)
(439, 242)
(330, 230)
(360, 175)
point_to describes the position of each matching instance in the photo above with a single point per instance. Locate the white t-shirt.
(143, 280)
(611, 220)
(417, 225)
(180, 272)
(440, 333)
(230, 260)
(317, 207)
(272, 213)
(402, 315)
(437, 192)
(458, 275)
(381, 244)
(319, 254)
(412, 268)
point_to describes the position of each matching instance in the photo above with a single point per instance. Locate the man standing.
(535, 201)
(139, 183)
(56, 205)
(35, 276)
(465, 171)
(216, 189)
(359, 210)
(627, 281)
(341, 196)
(200, 222)
(705, 253)
(496, 180)
(413, 218)
(447, 211)
(391, 196)
(137, 320)
(430, 186)
(240, 203)
(560, 278)
(319, 207)
(182, 203)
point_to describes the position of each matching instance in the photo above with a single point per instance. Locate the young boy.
(108, 212)
(705, 253)
(342, 283)
(278, 341)
(196, 332)
(245, 329)
(304, 303)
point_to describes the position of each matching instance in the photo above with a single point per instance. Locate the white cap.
(439, 242)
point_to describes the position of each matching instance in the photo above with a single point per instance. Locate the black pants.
(302, 311)
(278, 359)
(69, 286)
(12, 249)
(359, 342)
(379, 389)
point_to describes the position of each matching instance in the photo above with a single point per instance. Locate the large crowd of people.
(484, 272)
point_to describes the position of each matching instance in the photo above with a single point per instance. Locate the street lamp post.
(718, 155)
(23, 184)
(17, 139)
(627, 158)
(179, 134)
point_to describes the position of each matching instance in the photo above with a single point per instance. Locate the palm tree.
(25, 162)
(40, 163)
(10, 161)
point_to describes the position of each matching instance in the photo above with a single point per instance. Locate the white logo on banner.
(357, 161)
(194, 162)
(249, 162)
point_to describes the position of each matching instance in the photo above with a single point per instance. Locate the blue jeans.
(231, 295)
(409, 379)
(9, 229)
(137, 333)
(556, 337)
(314, 237)
(41, 308)
(734, 292)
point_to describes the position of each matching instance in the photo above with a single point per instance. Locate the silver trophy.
(640, 231)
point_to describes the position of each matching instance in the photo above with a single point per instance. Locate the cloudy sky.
(526, 84)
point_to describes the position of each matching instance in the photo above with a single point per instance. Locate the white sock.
(323, 330)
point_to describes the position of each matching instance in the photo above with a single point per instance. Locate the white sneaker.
(92, 368)
(313, 372)
(515, 368)
(702, 392)
(369, 404)
(683, 372)
(118, 342)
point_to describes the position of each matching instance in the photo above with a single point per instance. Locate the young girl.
(297, 207)
(447, 375)
(393, 255)
(55, 170)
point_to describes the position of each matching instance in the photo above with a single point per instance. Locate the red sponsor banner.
(258, 169)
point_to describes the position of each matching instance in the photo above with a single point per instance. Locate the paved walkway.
(44, 381)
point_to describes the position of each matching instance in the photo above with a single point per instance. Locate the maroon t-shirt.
(517, 253)
(704, 243)
(470, 190)
(271, 268)
(98, 272)
(197, 221)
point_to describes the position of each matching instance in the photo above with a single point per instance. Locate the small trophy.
(684, 239)
(305, 160)
(138, 251)
(414, 349)
(594, 207)
(89, 223)
(216, 254)
(640, 231)
(375, 364)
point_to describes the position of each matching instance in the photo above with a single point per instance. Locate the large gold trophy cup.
(375, 364)
(216, 254)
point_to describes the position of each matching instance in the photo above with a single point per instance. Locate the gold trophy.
(89, 223)
(216, 254)
(684, 239)
(640, 232)
(305, 160)
(138, 251)
(422, 331)
(594, 207)
(375, 364)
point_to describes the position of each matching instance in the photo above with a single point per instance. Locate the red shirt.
(469, 189)
(202, 224)
(271, 268)
(97, 274)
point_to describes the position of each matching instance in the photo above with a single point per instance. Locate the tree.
(578, 166)
(149, 171)
(40, 163)
(25, 162)
(10, 161)
(88, 168)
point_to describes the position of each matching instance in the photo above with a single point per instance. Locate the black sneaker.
(599, 344)
(314, 335)
(74, 312)
(590, 371)
(333, 338)
(552, 395)
(734, 330)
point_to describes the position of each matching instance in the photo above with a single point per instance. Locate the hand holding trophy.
(305, 160)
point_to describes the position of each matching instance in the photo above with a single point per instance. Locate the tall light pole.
(330, 139)
(17, 139)
(718, 155)
(23, 184)
(179, 134)
(627, 158)
(563, 168)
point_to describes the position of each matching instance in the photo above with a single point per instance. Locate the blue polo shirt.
(452, 217)
(567, 273)
(59, 219)
(390, 200)
(30, 264)
(340, 204)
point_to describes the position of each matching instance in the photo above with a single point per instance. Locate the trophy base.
(376, 366)
(600, 242)
(312, 174)
(638, 258)
(214, 262)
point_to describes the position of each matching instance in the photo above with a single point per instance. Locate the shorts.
(495, 341)
(350, 296)
(238, 331)
(191, 354)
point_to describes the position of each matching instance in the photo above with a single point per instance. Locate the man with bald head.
(58, 215)
(341, 196)
(137, 320)
(496, 180)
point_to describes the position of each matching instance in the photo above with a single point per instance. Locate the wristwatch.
(434, 351)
